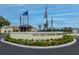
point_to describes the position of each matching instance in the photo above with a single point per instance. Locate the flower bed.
(47, 42)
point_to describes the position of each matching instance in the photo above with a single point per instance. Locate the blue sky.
(64, 15)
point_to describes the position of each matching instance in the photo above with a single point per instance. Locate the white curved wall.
(36, 35)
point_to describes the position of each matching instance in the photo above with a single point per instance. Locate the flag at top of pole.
(25, 13)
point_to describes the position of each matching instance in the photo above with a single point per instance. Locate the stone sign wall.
(36, 35)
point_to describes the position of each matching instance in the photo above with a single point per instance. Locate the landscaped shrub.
(7, 36)
(56, 43)
(43, 43)
(14, 40)
(52, 43)
(35, 44)
(32, 40)
(39, 43)
(19, 41)
(47, 39)
(42, 40)
(60, 42)
(51, 39)
(65, 41)
(9, 39)
(25, 41)
(29, 42)
(66, 36)
(48, 42)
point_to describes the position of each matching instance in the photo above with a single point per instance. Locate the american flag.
(25, 13)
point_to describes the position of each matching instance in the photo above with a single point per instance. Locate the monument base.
(36, 35)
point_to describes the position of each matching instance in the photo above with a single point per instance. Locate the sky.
(64, 15)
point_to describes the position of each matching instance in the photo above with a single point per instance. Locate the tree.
(67, 29)
(3, 21)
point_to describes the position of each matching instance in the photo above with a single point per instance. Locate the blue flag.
(25, 13)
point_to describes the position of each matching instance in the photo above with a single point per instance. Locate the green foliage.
(19, 41)
(39, 43)
(67, 29)
(48, 42)
(3, 21)
(53, 43)
(67, 38)
(25, 42)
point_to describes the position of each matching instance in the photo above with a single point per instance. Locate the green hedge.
(48, 42)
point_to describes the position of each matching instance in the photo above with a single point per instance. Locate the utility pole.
(20, 20)
(46, 17)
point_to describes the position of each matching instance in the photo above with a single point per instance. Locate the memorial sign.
(36, 35)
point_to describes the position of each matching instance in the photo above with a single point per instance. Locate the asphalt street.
(6, 49)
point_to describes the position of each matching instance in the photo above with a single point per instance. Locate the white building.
(75, 30)
(7, 29)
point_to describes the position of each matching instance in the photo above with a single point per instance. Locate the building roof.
(75, 28)
(26, 26)
(8, 27)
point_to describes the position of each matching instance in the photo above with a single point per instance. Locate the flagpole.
(20, 23)
(25, 15)
(23, 20)
(20, 20)
(27, 18)
(51, 23)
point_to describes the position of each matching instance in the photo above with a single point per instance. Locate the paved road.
(6, 49)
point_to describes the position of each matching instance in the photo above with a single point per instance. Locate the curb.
(37, 47)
